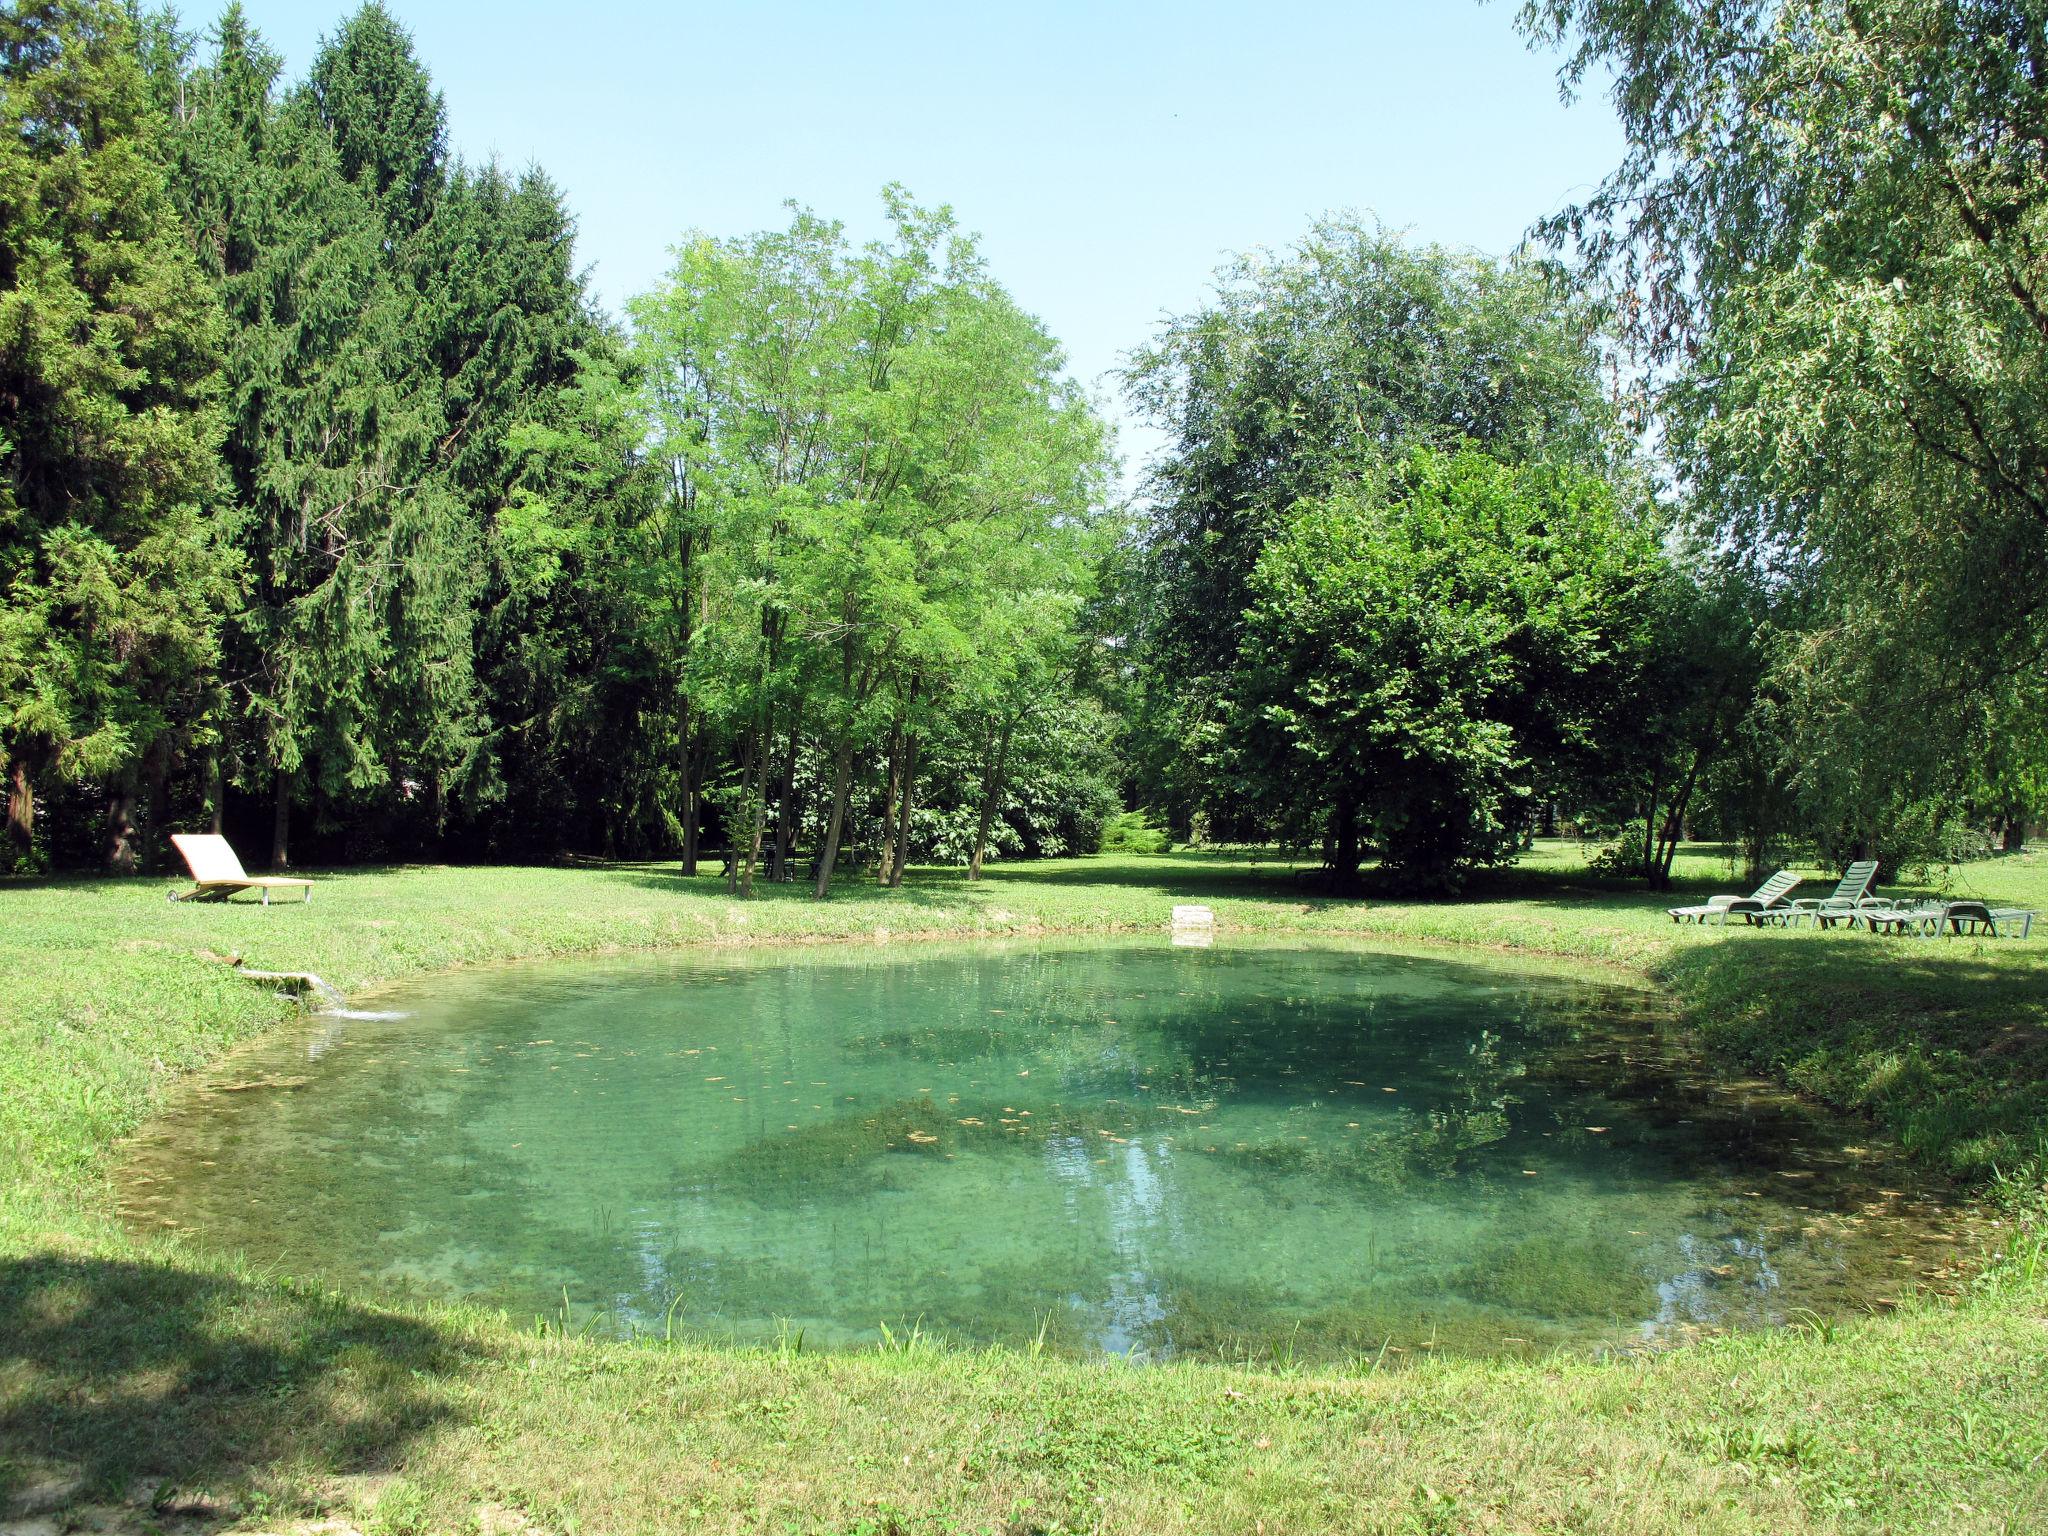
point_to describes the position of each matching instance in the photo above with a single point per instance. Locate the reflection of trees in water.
(1475, 1114)
(1138, 1070)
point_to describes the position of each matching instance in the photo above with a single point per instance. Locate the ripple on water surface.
(1247, 1150)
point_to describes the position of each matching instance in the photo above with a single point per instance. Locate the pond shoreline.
(461, 1074)
(1617, 972)
(110, 1004)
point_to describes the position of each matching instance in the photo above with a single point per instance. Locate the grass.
(237, 1396)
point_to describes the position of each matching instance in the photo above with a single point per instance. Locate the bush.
(1624, 856)
(1134, 832)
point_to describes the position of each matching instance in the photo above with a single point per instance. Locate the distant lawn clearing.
(122, 1364)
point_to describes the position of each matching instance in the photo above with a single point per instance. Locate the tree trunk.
(691, 816)
(157, 771)
(1345, 854)
(886, 867)
(842, 774)
(121, 853)
(214, 790)
(690, 806)
(786, 809)
(991, 797)
(21, 807)
(1648, 867)
(909, 794)
(757, 805)
(281, 823)
(742, 813)
(1674, 820)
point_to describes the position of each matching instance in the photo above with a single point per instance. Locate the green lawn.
(126, 1368)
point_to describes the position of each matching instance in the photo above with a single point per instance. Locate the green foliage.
(1307, 371)
(1825, 240)
(321, 421)
(1422, 659)
(1134, 832)
(880, 503)
(427, 486)
(111, 556)
(1693, 700)
(388, 123)
(1626, 855)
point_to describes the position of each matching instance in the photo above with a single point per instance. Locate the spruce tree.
(111, 566)
(296, 251)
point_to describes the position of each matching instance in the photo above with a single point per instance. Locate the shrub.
(1134, 832)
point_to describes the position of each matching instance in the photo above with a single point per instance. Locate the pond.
(1249, 1151)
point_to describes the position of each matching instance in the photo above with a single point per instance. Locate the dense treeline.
(339, 512)
(1826, 252)
(1406, 588)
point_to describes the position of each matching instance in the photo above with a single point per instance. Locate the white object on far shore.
(1193, 927)
(217, 874)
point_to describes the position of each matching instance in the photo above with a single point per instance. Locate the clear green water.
(1242, 1151)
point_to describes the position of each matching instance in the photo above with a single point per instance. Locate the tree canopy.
(874, 473)
(1825, 251)
(114, 558)
(339, 516)
(1308, 390)
(1425, 657)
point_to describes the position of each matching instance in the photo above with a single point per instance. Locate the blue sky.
(1110, 155)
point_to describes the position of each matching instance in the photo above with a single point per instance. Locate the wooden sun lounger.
(217, 874)
(1718, 909)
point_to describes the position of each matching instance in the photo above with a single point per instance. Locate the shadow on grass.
(944, 888)
(113, 1372)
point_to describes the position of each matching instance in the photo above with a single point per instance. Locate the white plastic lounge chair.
(1850, 902)
(217, 874)
(1718, 909)
(1923, 917)
(1929, 918)
(2005, 920)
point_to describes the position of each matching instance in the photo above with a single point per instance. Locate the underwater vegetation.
(1308, 1153)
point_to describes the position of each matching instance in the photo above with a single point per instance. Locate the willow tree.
(1828, 241)
(112, 570)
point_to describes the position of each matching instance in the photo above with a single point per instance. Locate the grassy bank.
(122, 1366)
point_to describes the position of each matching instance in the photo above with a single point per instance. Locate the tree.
(1332, 360)
(507, 329)
(395, 325)
(1426, 655)
(1826, 243)
(863, 450)
(569, 643)
(389, 124)
(1689, 686)
(325, 420)
(111, 561)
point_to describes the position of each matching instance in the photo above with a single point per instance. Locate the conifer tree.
(111, 569)
(318, 445)
(390, 126)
